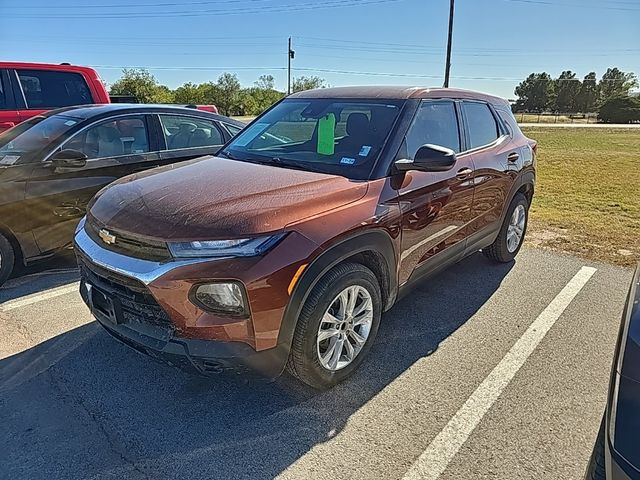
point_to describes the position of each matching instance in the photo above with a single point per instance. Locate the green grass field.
(587, 197)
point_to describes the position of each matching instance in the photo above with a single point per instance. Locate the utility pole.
(448, 64)
(290, 56)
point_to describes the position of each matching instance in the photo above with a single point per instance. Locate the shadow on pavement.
(44, 275)
(81, 405)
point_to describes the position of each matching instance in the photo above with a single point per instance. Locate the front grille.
(129, 245)
(138, 305)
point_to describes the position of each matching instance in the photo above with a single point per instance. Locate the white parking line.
(39, 297)
(439, 453)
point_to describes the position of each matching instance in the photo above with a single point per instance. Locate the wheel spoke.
(343, 299)
(328, 333)
(349, 351)
(336, 353)
(364, 307)
(330, 319)
(353, 296)
(359, 339)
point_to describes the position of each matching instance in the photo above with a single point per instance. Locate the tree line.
(567, 93)
(226, 93)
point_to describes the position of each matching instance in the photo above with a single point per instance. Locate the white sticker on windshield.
(364, 151)
(70, 123)
(9, 159)
(347, 161)
(249, 133)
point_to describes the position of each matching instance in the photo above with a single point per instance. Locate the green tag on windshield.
(327, 135)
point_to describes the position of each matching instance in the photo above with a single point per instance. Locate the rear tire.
(596, 469)
(333, 335)
(7, 259)
(511, 235)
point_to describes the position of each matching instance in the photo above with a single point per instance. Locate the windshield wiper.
(295, 164)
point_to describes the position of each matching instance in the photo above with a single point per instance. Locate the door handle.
(464, 173)
(7, 124)
(513, 157)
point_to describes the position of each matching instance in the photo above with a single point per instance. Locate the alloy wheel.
(344, 328)
(515, 231)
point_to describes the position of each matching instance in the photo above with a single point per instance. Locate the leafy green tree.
(567, 90)
(139, 83)
(620, 110)
(265, 82)
(535, 93)
(163, 94)
(307, 83)
(189, 93)
(588, 96)
(616, 83)
(228, 93)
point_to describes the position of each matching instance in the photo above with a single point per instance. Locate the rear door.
(489, 144)
(9, 116)
(58, 198)
(187, 137)
(42, 90)
(436, 206)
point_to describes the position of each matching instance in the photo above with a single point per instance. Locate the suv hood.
(215, 198)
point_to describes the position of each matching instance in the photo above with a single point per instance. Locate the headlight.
(241, 247)
(221, 297)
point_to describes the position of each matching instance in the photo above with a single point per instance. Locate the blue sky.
(496, 42)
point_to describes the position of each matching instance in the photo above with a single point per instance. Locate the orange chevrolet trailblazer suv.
(286, 248)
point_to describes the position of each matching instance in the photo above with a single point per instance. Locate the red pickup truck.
(27, 89)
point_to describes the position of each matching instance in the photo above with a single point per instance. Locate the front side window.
(48, 89)
(112, 138)
(435, 123)
(336, 136)
(21, 143)
(189, 132)
(481, 124)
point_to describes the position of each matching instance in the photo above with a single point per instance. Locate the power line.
(575, 5)
(216, 12)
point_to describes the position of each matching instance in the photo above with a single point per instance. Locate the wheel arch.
(373, 249)
(13, 240)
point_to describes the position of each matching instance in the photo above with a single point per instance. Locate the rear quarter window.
(45, 89)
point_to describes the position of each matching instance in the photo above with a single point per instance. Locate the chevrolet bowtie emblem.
(107, 237)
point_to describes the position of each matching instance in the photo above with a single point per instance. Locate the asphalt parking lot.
(484, 372)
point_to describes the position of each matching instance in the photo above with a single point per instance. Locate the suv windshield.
(32, 136)
(342, 137)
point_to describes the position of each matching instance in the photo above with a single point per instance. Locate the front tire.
(596, 469)
(337, 326)
(7, 259)
(511, 235)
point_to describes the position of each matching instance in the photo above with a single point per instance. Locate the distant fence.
(550, 117)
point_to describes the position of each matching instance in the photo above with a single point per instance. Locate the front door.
(57, 198)
(436, 206)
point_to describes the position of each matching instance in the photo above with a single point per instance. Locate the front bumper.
(145, 305)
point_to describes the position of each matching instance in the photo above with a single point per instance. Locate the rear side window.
(48, 89)
(189, 132)
(435, 123)
(481, 124)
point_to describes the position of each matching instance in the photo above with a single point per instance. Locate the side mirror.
(69, 158)
(429, 158)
